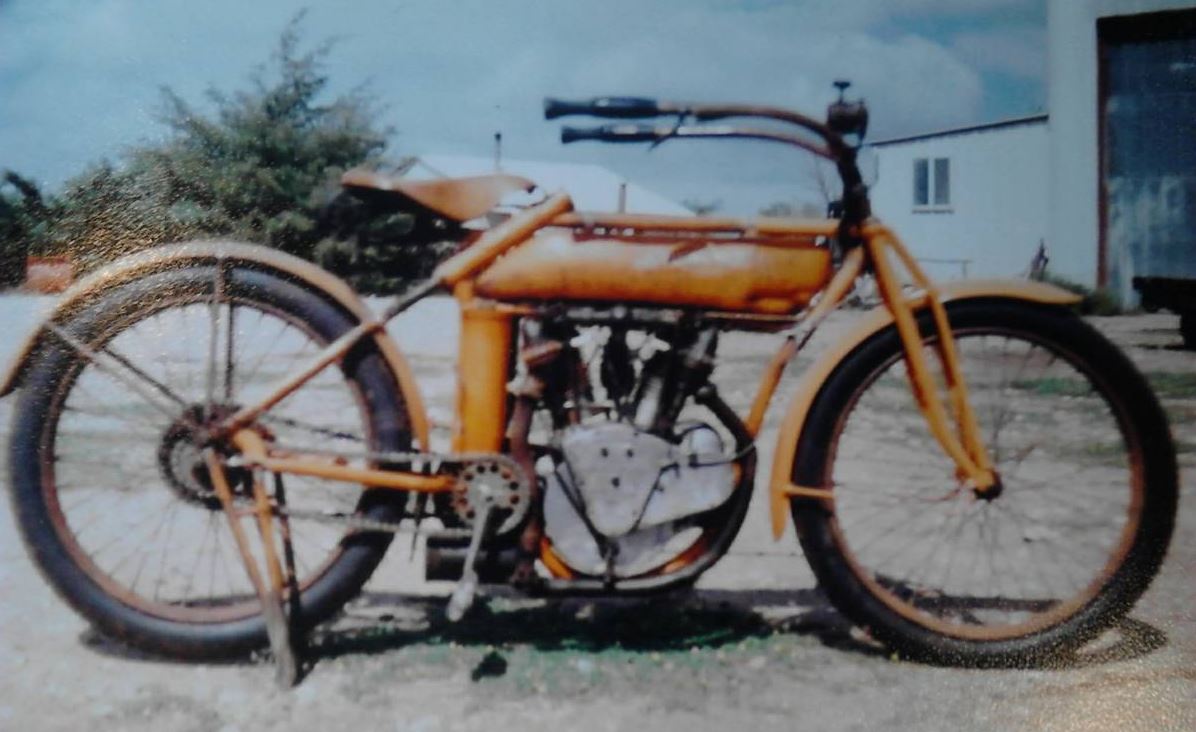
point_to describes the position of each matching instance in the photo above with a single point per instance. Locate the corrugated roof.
(592, 187)
(1013, 122)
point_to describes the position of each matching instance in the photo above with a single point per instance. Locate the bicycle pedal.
(462, 598)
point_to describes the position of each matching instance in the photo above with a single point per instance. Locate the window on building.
(921, 182)
(942, 182)
(932, 182)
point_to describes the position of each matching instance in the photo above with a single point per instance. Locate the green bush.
(263, 166)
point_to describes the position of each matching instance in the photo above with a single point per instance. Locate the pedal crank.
(494, 496)
(467, 586)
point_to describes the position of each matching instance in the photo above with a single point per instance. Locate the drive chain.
(435, 462)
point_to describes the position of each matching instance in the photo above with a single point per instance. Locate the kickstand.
(297, 642)
(278, 627)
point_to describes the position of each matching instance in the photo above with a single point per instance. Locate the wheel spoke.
(229, 357)
(137, 380)
(213, 342)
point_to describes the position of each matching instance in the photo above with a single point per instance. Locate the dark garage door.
(1148, 93)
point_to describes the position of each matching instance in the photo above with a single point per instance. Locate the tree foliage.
(262, 165)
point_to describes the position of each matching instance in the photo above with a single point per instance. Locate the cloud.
(1018, 51)
(80, 83)
(878, 13)
(957, 7)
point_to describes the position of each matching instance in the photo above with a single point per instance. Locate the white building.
(967, 202)
(1108, 181)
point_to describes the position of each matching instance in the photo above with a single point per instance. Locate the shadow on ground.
(699, 621)
(1178, 347)
(703, 619)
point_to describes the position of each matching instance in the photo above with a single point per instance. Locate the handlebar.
(660, 133)
(844, 120)
(606, 107)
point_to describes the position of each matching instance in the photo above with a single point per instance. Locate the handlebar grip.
(606, 107)
(610, 133)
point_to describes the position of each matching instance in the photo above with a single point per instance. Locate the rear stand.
(278, 580)
(285, 642)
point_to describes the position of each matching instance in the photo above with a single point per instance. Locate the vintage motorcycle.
(975, 474)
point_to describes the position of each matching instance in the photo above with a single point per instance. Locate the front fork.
(963, 441)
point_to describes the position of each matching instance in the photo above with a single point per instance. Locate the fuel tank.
(768, 275)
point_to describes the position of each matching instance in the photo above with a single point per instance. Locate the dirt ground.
(756, 646)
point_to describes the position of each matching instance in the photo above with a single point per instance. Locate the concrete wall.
(1072, 70)
(998, 211)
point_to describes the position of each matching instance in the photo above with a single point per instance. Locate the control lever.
(614, 133)
(608, 107)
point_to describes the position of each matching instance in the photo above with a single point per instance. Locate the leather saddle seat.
(455, 199)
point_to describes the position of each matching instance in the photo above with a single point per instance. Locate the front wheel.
(1063, 550)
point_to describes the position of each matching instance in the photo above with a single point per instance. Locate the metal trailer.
(1177, 294)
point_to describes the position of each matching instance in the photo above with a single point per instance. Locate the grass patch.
(1105, 453)
(1053, 386)
(1168, 385)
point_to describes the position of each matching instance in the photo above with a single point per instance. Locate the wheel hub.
(181, 460)
(992, 492)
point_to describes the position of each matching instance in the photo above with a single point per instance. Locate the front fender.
(170, 256)
(872, 322)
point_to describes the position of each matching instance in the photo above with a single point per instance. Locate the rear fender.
(334, 289)
(789, 440)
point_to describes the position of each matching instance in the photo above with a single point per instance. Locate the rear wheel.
(108, 483)
(1061, 552)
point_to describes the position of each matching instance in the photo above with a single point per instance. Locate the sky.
(80, 80)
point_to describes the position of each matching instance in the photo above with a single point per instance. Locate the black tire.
(1088, 430)
(99, 433)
